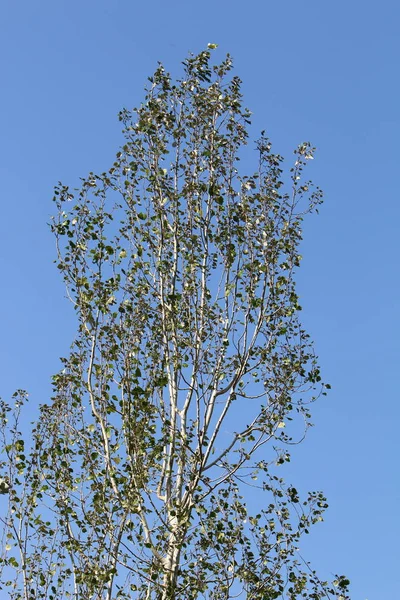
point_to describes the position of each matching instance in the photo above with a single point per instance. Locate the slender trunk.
(173, 556)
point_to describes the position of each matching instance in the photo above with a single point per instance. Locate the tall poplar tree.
(155, 470)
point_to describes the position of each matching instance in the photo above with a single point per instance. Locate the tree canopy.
(190, 375)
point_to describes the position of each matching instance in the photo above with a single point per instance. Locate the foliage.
(189, 377)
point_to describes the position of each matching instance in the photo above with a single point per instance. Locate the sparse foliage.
(189, 377)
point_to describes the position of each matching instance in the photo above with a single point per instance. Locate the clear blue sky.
(313, 70)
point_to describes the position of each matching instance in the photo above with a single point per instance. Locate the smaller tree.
(188, 364)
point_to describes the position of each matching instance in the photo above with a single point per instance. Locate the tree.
(189, 376)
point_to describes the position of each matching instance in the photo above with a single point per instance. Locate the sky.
(321, 71)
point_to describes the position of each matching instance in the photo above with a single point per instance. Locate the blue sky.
(312, 70)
